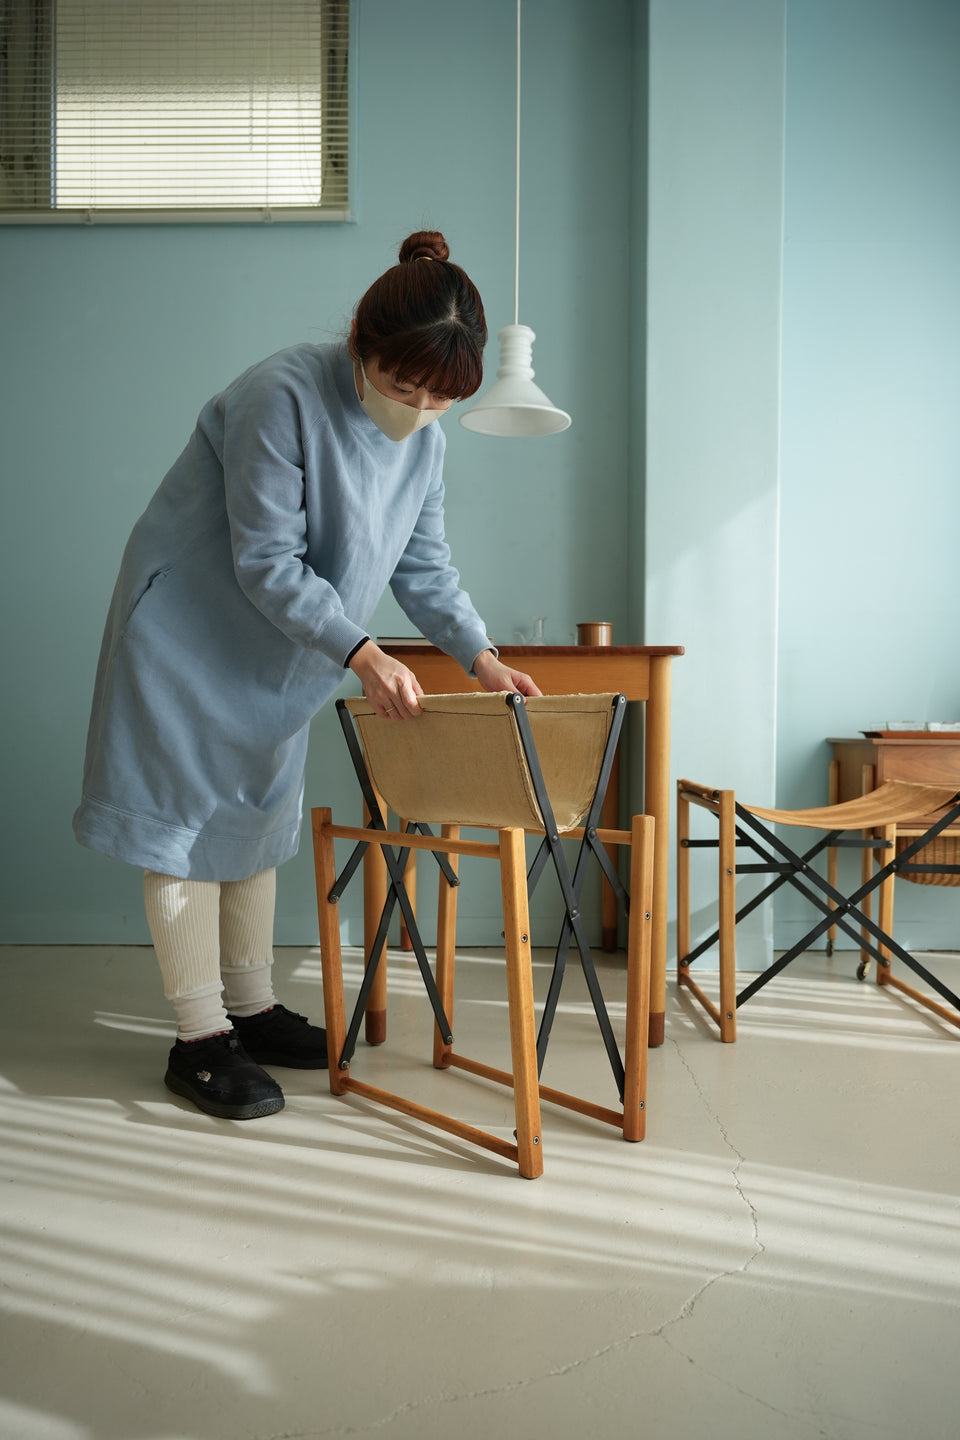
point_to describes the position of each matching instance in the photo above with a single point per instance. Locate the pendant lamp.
(514, 405)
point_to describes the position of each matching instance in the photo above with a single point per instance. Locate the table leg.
(446, 950)
(656, 802)
(410, 885)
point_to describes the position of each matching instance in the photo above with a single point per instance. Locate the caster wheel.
(862, 970)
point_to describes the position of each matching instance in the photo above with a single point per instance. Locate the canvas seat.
(876, 818)
(491, 762)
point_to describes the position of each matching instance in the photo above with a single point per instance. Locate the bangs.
(423, 320)
(442, 358)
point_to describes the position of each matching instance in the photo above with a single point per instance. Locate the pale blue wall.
(714, 246)
(114, 337)
(800, 450)
(870, 584)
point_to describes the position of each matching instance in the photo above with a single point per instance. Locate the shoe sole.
(253, 1111)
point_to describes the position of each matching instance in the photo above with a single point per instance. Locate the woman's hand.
(494, 675)
(390, 687)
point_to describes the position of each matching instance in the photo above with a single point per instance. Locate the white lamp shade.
(514, 405)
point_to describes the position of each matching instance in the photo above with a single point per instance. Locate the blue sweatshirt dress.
(244, 587)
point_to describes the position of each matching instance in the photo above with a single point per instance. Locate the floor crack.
(660, 1332)
(758, 1246)
(690, 1304)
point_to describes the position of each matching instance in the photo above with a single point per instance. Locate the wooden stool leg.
(610, 820)
(683, 886)
(330, 958)
(374, 898)
(885, 906)
(523, 1033)
(728, 916)
(446, 949)
(639, 944)
(868, 782)
(833, 796)
(866, 904)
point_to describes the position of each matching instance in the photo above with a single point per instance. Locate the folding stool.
(492, 762)
(876, 815)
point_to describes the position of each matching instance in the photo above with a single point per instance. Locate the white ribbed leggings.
(214, 942)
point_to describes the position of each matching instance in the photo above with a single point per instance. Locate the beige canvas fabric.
(896, 801)
(461, 761)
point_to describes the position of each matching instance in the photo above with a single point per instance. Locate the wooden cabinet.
(925, 759)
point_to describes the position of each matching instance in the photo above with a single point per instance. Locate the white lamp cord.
(516, 202)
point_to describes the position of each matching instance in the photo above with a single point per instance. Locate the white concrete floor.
(779, 1258)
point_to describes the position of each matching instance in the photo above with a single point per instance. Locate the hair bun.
(424, 245)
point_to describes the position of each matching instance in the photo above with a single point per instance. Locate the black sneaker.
(218, 1075)
(279, 1037)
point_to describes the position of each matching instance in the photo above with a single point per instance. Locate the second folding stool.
(875, 817)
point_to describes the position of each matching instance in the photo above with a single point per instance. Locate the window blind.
(114, 110)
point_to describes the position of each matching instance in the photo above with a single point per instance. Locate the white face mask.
(396, 420)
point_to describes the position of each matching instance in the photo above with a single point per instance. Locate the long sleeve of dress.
(263, 468)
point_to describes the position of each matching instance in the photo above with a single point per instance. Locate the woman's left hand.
(494, 675)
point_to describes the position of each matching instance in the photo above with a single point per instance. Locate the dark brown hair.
(423, 320)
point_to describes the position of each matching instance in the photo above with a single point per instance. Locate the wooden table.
(925, 758)
(859, 765)
(641, 673)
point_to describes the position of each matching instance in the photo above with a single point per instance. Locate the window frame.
(47, 214)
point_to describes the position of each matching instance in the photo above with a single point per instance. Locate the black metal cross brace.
(845, 906)
(395, 862)
(571, 886)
